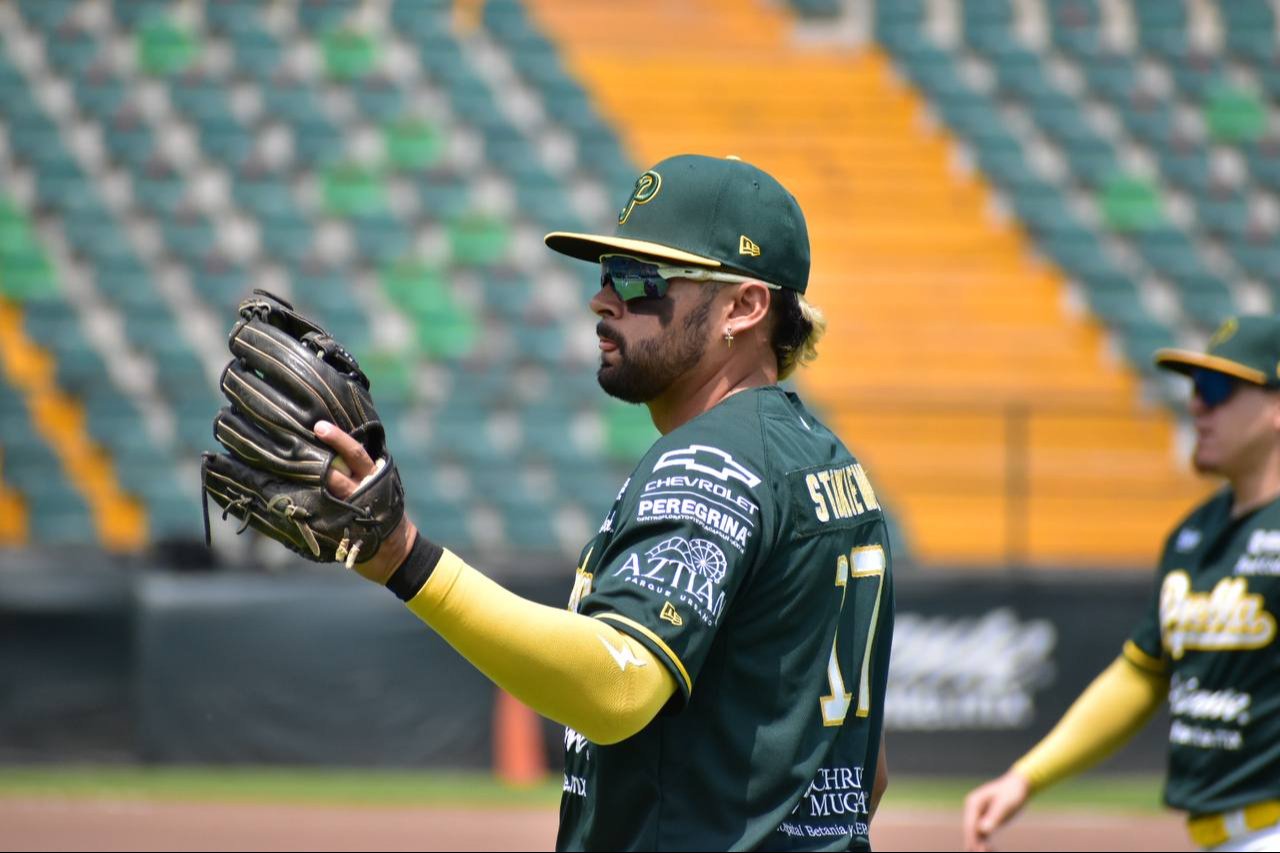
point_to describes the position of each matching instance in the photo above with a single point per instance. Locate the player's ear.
(750, 305)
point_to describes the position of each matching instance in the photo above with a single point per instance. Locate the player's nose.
(605, 302)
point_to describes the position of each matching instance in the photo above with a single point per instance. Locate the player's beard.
(646, 369)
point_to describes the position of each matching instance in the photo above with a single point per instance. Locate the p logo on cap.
(647, 186)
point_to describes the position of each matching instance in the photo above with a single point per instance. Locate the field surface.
(130, 809)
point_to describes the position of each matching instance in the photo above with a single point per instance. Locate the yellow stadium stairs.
(995, 422)
(119, 520)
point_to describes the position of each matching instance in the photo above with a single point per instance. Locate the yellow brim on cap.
(589, 247)
(1184, 361)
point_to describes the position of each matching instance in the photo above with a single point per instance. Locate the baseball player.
(721, 665)
(1207, 640)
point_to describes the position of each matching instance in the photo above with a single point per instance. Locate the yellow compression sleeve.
(573, 669)
(1104, 717)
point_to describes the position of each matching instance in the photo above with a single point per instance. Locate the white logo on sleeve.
(621, 656)
(1188, 539)
(708, 460)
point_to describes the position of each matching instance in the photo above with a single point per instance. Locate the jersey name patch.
(831, 497)
(1226, 618)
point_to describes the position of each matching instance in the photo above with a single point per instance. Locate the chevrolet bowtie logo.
(747, 247)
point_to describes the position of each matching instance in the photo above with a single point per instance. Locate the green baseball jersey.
(1211, 626)
(749, 553)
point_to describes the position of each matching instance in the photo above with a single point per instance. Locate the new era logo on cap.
(747, 247)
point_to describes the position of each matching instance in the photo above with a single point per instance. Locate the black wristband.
(413, 573)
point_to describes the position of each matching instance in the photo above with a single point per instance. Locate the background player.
(1207, 641)
(722, 664)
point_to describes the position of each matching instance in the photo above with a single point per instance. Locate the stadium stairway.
(119, 521)
(953, 366)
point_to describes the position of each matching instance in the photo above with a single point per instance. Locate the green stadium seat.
(413, 145)
(1130, 203)
(629, 432)
(1235, 115)
(479, 240)
(27, 273)
(164, 49)
(348, 54)
(352, 190)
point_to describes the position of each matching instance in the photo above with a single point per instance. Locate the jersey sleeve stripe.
(1142, 660)
(657, 641)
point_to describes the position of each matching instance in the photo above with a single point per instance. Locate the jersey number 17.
(866, 564)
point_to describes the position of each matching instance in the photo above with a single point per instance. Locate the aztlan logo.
(747, 247)
(647, 186)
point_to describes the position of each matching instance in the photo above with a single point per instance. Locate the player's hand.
(355, 459)
(990, 806)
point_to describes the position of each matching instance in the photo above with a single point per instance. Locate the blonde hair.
(792, 355)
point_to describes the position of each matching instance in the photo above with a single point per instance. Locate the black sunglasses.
(1213, 388)
(633, 278)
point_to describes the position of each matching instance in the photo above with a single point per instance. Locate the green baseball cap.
(706, 211)
(1247, 348)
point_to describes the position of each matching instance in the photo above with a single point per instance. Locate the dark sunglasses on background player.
(1213, 388)
(633, 278)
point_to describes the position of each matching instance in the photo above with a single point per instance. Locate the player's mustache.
(608, 333)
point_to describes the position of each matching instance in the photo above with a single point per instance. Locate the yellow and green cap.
(714, 212)
(1246, 347)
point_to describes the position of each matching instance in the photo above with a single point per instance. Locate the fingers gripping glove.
(287, 374)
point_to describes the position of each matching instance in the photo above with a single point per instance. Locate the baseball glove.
(288, 373)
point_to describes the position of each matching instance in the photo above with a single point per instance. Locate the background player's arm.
(1115, 706)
